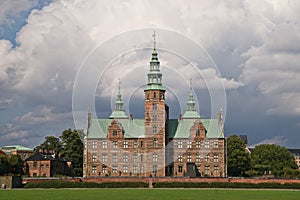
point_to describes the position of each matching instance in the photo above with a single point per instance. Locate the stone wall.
(8, 182)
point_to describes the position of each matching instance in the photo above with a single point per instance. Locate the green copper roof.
(136, 128)
(190, 114)
(214, 129)
(155, 87)
(118, 114)
(132, 128)
(16, 147)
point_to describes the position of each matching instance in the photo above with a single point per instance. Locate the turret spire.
(191, 110)
(118, 111)
(191, 102)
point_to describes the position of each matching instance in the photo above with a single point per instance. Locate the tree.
(51, 144)
(11, 165)
(16, 165)
(272, 158)
(72, 147)
(238, 159)
(4, 165)
(67, 145)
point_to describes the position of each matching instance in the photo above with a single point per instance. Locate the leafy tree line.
(68, 144)
(264, 159)
(11, 165)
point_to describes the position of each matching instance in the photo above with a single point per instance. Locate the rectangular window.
(154, 106)
(198, 132)
(135, 157)
(154, 129)
(198, 158)
(104, 169)
(34, 164)
(142, 157)
(216, 144)
(198, 144)
(94, 144)
(115, 144)
(179, 158)
(104, 144)
(155, 142)
(141, 169)
(206, 169)
(179, 169)
(125, 144)
(154, 157)
(125, 169)
(94, 157)
(115, 169)
(142, 144)
(94, 169)
(189, 158)
(135, 144)
(216, 158)
(216, 169)
(115, 132)
(135, 169)
(206, 144)
(206, 158)
(179, 144)
(189, 144)
(125, 158)
(115, 158)
(104, 158)
(154, 169)
(154, 118)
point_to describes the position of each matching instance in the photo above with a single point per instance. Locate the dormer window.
(115, 132)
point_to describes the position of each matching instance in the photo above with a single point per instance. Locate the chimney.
(220, 117)
(131, 116)
(180, 117)
(89, 118)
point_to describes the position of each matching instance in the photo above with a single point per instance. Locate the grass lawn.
(155, 194)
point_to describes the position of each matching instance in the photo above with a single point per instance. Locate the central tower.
(156, 113)
(155, 107)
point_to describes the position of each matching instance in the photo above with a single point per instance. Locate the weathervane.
(154, 39)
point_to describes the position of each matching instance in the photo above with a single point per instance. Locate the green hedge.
(67, 184)
(225, 185)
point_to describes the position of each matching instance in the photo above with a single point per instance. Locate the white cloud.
(258, 40)
(44, 115)
(13, 8)
(278, 140)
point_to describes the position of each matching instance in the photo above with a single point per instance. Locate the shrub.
(226, 185)
(67, 184)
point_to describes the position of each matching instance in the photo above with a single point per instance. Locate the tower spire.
(191, 110)
(154, 75)
(118, 111)
(119, 103)
(191, 102)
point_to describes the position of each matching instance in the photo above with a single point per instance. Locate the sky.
(61, 58)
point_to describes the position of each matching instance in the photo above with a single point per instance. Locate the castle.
(156, 145)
